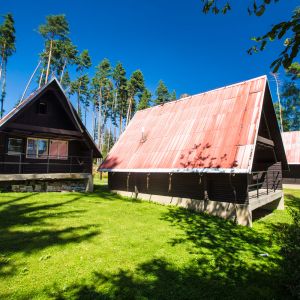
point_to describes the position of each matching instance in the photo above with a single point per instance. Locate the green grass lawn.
(101, 246)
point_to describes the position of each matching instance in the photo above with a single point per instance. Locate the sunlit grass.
(89, 246)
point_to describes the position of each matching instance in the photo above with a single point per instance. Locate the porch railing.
(20, 164)
(265, 182)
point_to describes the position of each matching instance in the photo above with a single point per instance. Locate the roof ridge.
(202, 93)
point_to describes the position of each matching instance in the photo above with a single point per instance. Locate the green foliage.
(108, 142)
(288, 31)
(120, 80)
(294, 71)
(135, 87)
(162, 93)
(7, 37)
(291, 31)
(290, 101)
(80, 87)
(136, 83)
(56, 27)
(145, 100)
(7, 48)
(173, 95)
(290, 239)
(66, 81)
(83, 61)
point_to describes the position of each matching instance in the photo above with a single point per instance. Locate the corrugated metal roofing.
(291, 141)
(213, 131)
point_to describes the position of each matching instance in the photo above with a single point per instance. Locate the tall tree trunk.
(29, 81)
(99, 119)
(121, 122)
(3, 90)
(93, 122)
(62, 71)
(2, 60)
(128, 111)
(41, 77)
(49, 61)
(78, 101)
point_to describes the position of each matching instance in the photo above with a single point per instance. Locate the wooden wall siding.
(56, 116)
(294, 172)
(274, 173)
(79, 160)
(218, 186)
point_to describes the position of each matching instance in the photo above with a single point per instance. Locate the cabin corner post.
(89, 184)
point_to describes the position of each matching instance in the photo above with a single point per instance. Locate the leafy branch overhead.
(287, 31)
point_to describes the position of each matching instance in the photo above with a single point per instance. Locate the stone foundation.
(30, 183)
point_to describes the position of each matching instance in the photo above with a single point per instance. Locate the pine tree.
(135, 86)
(7, 48)
(162, 93)
(80, 88)
(145, 99)
(290, 100)
(100, 85)
(119, 77)
(55, 29)
(173, 96)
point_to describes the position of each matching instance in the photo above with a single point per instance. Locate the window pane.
(14, 146)
(58, 149)
(63, 149)
(53, 151)
(42, 148)
(31, 148)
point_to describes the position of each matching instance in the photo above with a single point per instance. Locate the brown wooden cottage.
(45, 146)
(219, 152)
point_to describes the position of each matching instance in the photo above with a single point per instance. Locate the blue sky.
(168, 40)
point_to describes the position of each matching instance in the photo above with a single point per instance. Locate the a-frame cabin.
(45, 146)
(219, 152)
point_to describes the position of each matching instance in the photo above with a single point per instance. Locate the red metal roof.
(291, 141)
(213, 131)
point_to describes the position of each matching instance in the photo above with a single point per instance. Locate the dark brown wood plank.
(265, 141)
(44, 129)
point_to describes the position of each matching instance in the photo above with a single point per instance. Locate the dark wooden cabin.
(219, 152)
(291, 141)
(44, 144)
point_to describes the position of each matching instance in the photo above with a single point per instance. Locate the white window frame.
(37, 149)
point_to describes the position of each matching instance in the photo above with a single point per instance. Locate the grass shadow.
(26, 227)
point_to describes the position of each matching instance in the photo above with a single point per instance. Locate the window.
(14, 146)
(37, 148)
(58, 149)
(42, 108)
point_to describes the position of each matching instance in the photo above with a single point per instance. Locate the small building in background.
(44, 145)
(291, 141)
(220, 152)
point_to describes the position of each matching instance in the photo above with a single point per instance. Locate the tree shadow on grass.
(226, 263)
(159, 279)
(25, 227)
(292, 200)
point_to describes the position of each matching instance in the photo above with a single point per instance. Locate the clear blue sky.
(169, 40)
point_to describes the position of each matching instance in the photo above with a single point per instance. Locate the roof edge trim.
(194, 170)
